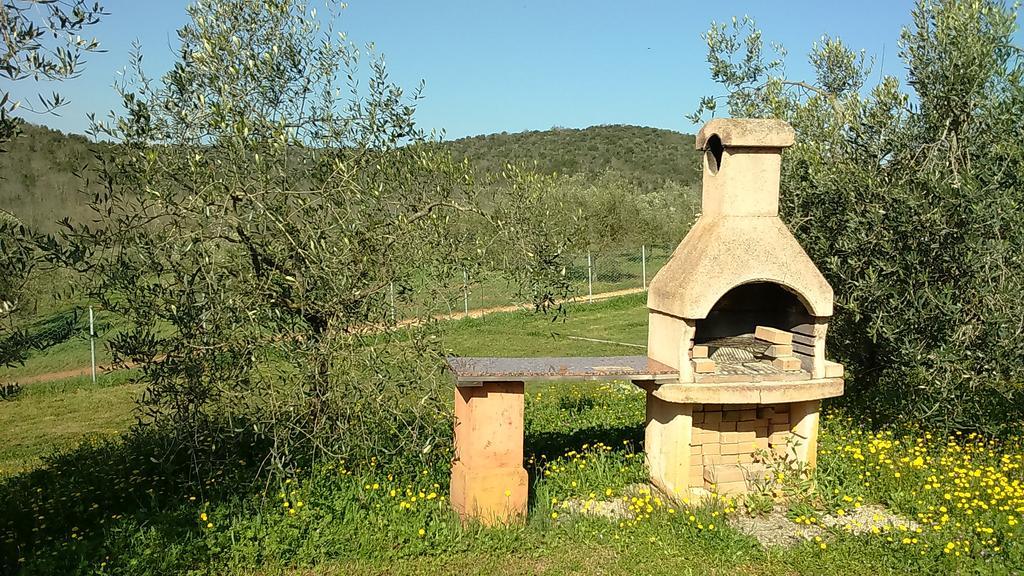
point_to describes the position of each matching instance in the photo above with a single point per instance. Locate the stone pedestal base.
(724, 448)
(491, 495)
(489, 483)
(804, 419)
(667, 445)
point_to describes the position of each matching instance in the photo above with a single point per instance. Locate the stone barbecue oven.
(735, 367)
(741, 312)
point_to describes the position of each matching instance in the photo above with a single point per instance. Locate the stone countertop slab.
(470, 371)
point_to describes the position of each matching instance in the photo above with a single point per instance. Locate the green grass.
(532, 333)
(49, 416)
(524, 333)
(110, 507)
(53, 415)
(71, 350)
(612, 270)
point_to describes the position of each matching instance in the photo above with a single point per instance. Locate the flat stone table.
(488, 481)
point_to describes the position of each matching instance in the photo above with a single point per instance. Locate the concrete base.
(804, 418)
(721, 447)
(489, 496)
(489, 483)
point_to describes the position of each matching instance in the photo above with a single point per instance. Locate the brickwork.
(725, 439)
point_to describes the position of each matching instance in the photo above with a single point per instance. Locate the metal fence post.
(590, 278)
(643, 266)
(92, 344)
(391, 290)
(465, 292)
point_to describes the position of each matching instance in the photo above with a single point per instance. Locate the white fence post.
(590, 278)
(643, 266)
(92, 344)
(391, 290)
(465, 292)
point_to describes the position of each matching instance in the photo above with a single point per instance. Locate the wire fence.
(598, 272)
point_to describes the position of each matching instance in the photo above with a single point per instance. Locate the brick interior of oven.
(728, 331)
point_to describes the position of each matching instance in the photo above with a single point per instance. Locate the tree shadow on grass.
(553, 444)
(569, 418)
(85, 505)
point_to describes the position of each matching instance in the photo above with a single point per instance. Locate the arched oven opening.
(750, 332)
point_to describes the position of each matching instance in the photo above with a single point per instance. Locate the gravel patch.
(775, 529)
(870, 518)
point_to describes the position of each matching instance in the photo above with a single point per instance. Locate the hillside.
(644, 156)
(38, 181)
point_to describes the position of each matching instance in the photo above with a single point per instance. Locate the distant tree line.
(634, 184)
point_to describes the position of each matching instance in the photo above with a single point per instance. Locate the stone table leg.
(489, 483)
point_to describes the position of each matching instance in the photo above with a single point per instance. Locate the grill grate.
(741, 356)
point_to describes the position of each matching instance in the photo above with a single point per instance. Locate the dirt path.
(63, 374)
(86, 370)
(477, 313)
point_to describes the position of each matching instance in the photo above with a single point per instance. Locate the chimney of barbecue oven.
(742, 166)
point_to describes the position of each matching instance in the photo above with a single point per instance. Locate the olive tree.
(262, 206)
(41, 41)
(910, 199)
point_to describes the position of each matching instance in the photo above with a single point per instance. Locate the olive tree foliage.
(263, 204)
(911, 201)
(616, 215)
(18, 258)
(41, 41)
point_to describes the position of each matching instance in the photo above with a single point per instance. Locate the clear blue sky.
(522, 65)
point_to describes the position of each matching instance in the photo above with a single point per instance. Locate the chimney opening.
(713, 153)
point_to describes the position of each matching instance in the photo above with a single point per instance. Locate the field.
(64, 326)
(97, 504)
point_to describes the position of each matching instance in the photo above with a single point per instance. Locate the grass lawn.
(52, 415)
(109, 507)
(621, 320)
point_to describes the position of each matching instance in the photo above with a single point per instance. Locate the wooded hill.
(39, 180)
(646, 157)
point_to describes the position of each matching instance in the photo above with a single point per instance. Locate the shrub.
(258, 211)
(910, 202)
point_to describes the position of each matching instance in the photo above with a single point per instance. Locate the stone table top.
(470, 371)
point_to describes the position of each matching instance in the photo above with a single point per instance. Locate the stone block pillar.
(489, 483)
(667, 444)
(803, 416)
